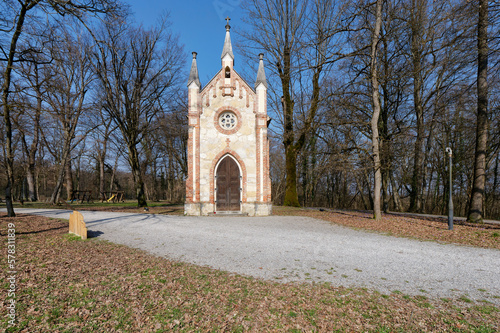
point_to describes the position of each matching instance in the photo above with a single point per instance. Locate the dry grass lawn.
(434, 229)
(68, 285)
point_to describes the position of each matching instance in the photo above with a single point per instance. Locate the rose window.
(228, 120)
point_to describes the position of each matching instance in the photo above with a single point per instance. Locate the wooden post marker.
(77, 225)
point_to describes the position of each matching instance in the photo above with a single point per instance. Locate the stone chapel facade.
(228, 148)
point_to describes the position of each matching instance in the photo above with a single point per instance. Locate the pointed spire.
(193, 74)
(261, 74)
(227, 49)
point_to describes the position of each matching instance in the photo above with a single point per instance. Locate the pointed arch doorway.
(228, 189)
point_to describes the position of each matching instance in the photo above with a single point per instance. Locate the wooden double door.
(228, 185)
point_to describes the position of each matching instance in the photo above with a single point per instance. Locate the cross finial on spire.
(227, 49)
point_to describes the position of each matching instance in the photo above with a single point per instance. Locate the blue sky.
(200, 25)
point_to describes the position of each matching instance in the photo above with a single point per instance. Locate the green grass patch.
(465, 299)
(73, 237)
(486, 309)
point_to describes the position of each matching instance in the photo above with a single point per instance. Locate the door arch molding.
(230, 156)
(243, 174)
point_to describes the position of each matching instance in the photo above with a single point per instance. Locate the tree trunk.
(31, 171)
(69, 180)
(385, 137)
(436, 195)
(78, 173)
(359, 186)
(101, 174)
(113, 173)
(313, 172)
(170, 179)
(377, 215)
(137, 175)
(9, 152)
(495, 177)
(29, 181)
(30, 178)
(60, 179)
(416, 180)
(303, 176)
(478, 182)
(492, 203)
(385, 191)
(36, 138)
(418, 158)
(416, 22)
(57, 190)
(140, 189)
(426, 183)
(291, 196)
(156, 190)
(367, 184)
(395, 195)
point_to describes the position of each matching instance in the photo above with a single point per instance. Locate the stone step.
(229, 213)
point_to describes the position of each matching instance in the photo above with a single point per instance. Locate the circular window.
(228, 120)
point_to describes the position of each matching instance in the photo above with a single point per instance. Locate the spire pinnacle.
(227, 49)
(193, 74)
(261, 74)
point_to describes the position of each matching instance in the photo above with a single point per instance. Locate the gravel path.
(285, 248)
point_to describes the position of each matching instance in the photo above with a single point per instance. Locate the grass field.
(65, 284)
(127, 206)
(95, 204)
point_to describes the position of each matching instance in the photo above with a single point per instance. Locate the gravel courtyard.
(287, 248)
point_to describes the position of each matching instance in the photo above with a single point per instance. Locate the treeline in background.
(365, 97)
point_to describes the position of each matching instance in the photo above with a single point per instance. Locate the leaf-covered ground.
(68, 285)
(435, 229)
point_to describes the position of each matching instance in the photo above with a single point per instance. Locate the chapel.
(228, 148)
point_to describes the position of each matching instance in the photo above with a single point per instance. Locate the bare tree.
(376, 111)
(71, 78)
(137, 70)
(101, 149)
(173, 135)
(10, 54)
(417, 16)
(428, 45)
(27, 122)
(299, 37)
(476, 209)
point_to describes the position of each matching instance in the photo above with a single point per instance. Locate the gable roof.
(236, 73)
